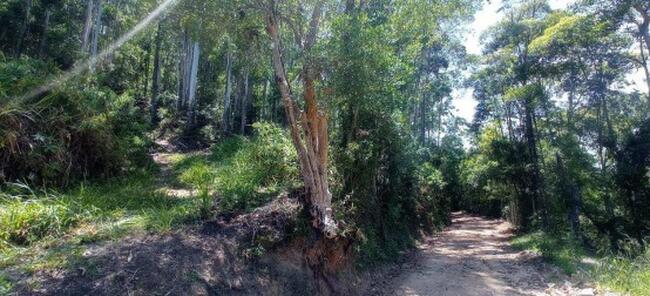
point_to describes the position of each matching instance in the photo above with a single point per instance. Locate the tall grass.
(560, 251)
(88, 213)
(243, 172)
(45, 229)
(628, 275)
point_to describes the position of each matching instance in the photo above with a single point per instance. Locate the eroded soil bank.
(226, 257)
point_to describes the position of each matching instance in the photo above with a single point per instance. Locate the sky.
(486, 17)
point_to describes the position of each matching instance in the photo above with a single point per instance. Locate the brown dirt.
(473, 257)
(222, 256)
(218, 257)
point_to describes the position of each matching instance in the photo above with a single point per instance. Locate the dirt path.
(474, 257)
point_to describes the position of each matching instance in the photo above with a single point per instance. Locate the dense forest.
(331, 125)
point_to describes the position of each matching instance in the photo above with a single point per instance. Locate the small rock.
(587, 292)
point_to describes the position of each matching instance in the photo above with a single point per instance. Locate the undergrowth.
(561, 251)
(629, 275)
(39, 229)
(47, 229)
(245, 173)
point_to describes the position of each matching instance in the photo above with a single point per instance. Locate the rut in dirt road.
(474, 257)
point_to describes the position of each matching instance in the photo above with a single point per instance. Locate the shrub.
(257, 171)
(69, 133)
(244, 172)
(629, 275)
(26, 221)
(201, 177)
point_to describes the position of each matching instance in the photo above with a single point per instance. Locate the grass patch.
(50, 230)
(42, 230)
(618, 273)
(560, 251)
(244, 173)
(627, 275)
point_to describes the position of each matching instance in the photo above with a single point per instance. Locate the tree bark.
(308, 128)
(228, 92)
(155, 87)
(193, 84)
(244, 104)
(644, 64)
(531, 141)
(46, 28)
(22, 33)
(97, 28)
(88, 21)
(183, 73)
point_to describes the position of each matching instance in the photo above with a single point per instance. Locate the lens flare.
(91, 62)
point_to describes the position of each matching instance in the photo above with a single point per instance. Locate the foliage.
(24, 223)
(563, 252)
(66, 135)
(244, 173)
(202, 178)
(627, 275)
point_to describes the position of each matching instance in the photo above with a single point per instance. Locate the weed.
(562, 252)
(628, 275)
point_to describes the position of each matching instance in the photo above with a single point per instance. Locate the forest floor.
(474, 256)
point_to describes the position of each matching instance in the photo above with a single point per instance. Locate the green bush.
(628, 275)
(201, 177)
(563, 252)
(433, 205)
(245, 173)
(260, 169)
(26, 221)
(69, 133)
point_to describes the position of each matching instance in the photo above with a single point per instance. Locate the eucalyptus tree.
(632, 16)
(508, 43)
(308, 127)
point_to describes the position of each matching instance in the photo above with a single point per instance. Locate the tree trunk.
(225, 118)
(236, 102)
(155, 88)
(88, 21)
(423, 119)
(193, 83)
(182, 73)
(22, 33)
(644, 64)
(244, 104)
(572, 192)
(145, 70)
(46, 28)
(310, 136)
(266, 115)
(97, 28)
(644, 26)
(532, 150)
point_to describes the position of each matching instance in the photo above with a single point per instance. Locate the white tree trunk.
(244, 104)
(193, 83)
(226, 100)
(308, 128)
(88, 23)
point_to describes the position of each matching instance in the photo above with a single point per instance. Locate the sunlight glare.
(92, 61)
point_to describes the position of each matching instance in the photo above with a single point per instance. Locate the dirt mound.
(249, 254)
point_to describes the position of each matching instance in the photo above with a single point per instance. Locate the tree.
(308, 127)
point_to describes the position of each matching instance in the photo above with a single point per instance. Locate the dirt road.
(473, 257)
